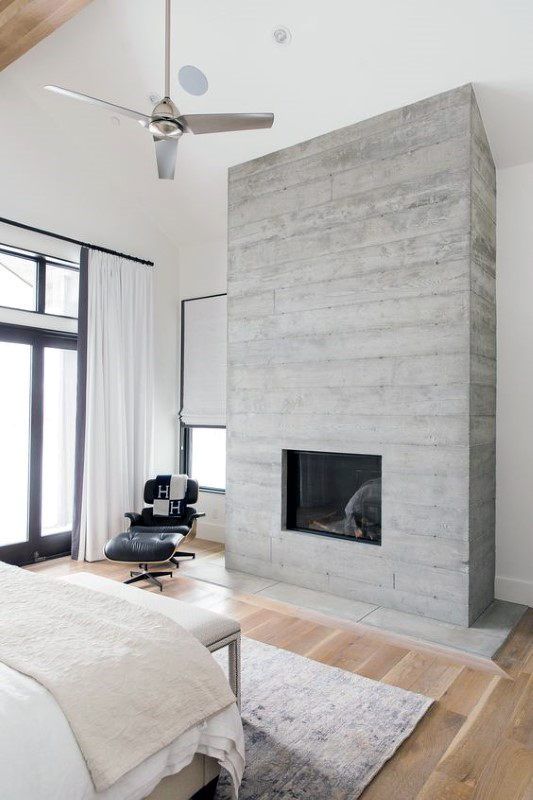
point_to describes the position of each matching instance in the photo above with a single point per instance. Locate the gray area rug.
(315, 732)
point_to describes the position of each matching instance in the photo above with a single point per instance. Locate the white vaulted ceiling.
(348, 60)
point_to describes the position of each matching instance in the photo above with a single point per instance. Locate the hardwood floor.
(475, 743)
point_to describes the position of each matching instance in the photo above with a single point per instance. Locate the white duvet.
(129, 680)
(40, 758)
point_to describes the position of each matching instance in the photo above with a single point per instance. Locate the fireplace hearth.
(334, 494)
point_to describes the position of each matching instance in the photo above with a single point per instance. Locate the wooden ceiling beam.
(24, 23)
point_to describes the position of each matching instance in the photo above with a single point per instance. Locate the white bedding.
(40, 759)
(129, 680)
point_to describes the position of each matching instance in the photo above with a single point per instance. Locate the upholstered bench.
(214, 631)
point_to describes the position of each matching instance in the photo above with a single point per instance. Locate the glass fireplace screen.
(334, 494)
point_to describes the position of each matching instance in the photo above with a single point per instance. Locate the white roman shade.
(204, 326)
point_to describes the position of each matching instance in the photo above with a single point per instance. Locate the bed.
(41, 759)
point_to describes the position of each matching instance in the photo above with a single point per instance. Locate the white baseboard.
(211, 531)
(514, 590)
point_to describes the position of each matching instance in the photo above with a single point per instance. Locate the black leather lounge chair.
(154, 540)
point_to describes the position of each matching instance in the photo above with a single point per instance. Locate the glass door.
(58, 446)
(37, 443)
(15, 445)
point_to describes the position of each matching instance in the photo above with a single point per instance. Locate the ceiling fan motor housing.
(164, 119)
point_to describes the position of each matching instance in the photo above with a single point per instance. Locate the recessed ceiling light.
(154, 98)
(282, 35)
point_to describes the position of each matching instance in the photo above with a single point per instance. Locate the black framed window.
(18, 280)
(38, 364)
(203, 390)
(35, 282)
(204, 456)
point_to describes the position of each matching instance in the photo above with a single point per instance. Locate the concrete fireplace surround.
(361, 319)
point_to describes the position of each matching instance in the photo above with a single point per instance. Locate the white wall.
(203, 269)
(514, 420)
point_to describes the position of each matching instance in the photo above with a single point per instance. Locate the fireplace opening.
(334, 494)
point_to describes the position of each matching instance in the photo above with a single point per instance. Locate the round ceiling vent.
(281, 35)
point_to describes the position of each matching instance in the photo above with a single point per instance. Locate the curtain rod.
(21, 225)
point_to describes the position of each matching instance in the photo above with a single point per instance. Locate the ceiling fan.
(166, 124)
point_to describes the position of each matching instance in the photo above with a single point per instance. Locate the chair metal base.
(181, 556)
(146, 574)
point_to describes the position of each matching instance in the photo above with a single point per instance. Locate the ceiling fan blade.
(193, 80)
(143, 119)
(166, 151)
(220, 123)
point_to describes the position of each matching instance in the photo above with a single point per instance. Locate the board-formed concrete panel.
(361, 319)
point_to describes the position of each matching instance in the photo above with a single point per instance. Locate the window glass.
(61, 295)
(15, 366)
(208, 457)
(59, 439)
(18, 278)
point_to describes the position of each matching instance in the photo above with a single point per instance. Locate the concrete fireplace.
(361, 320)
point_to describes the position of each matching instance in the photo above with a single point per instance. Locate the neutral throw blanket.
(128, 680)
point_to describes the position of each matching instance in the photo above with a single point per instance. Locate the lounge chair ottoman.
(213, 630)
(144, 546)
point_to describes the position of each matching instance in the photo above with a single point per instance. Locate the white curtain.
(118, 397)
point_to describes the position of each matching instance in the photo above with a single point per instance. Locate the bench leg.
(234, 668)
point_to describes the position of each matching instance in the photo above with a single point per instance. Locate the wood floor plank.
(516, 654)
(229, 606)
(507, 773)
(305, 642)
(442, 787)
(408, 670)
(521, 727)
(354, 655)
(436, 679)
(405, 774)
(470, 752)
(383, 658)
(260, 617)
(279, 633)
(331, 649)
(528, 794)
(465, 691)
(429, 675)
